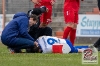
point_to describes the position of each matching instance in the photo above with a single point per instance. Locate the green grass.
(25, 59)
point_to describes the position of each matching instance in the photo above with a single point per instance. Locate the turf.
(30, 59)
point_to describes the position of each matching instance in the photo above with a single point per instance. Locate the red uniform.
(46, 17)
(71, 8)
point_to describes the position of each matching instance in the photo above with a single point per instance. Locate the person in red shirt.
(71, 8)
(45, 18)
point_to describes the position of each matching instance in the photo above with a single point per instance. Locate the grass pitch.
(33, 59)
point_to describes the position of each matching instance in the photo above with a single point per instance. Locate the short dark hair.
(37, 49)
(34, 17)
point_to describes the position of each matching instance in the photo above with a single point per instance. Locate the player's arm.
(36, 1)
(43, 9)
(36, 43)
(23, 28)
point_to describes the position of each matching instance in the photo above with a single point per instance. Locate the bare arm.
(36, 1)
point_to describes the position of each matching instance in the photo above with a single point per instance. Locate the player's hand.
(43, 25)
(82, 0)
(38, 2)
(35, 43)
(47, 9)
(52, 2)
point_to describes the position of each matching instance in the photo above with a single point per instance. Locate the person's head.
(44, 9)
(34, 11)
(37, 49)
(37, 11)
(32, 20)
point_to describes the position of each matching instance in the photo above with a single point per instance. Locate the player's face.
(32, 22)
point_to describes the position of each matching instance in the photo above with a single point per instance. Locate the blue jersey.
(47, 44)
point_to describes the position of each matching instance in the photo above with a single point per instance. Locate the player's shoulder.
(47, 37)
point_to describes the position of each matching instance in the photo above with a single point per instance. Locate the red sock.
(66, 32)
(72, 35)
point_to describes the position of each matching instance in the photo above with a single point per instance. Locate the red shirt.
(74, 4)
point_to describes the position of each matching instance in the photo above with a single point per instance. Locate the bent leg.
(21, 43)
